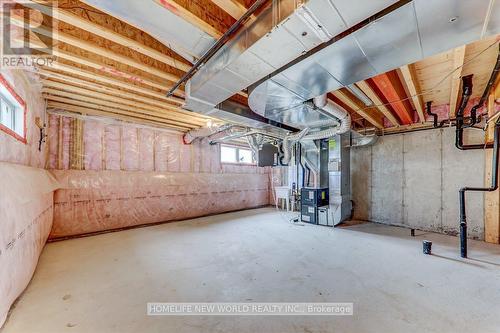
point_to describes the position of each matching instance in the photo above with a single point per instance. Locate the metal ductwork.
(283, 31)
(153, 17)
(333, 112)
(406, 32)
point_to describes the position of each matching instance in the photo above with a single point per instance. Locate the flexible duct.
(203, 132)
(288, 143)
(255, 141)
(329, 108)
(336, 111)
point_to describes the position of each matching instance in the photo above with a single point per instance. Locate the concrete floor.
(102, 283)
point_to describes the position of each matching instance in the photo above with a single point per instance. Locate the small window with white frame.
(12, 112)
(236, 155)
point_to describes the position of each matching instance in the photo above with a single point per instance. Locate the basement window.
(236, 155)
(12, 112)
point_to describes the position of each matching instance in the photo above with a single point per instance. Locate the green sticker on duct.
(332, 144)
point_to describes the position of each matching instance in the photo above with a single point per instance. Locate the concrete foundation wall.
(413, 180)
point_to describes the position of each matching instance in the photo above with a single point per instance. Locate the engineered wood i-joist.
(117, 95)
(102, 67)
(365, 88)
(393, 91)
(51, 94)
(187, 15)
(110, 111)
(106, 33)
(232, 7)
(374, 117)
(103, 99)
(458, 61)
(86, 111)
(111, 81)
(89, 47)
(411, 81)
(71, 80)
(76, 88)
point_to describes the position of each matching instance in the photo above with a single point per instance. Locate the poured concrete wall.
(413, 180)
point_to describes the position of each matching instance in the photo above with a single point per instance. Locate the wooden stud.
(491, 199)
(374, 117)
(458, 61)
(60, 145)
(410, 77)
(378, 102)
(393, 91)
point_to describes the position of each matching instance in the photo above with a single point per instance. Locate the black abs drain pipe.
(460, 125)
(493, 187)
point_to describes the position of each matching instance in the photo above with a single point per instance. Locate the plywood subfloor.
(102, 283)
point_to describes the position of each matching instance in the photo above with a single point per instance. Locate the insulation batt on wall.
(133, 175)
(26, 196)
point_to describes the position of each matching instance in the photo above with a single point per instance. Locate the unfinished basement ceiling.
(113, 63)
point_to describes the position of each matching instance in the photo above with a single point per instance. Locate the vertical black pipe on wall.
(466, 92)
(493, 187)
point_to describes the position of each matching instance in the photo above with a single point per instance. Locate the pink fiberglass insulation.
(130, 148)
(93, 145)
(161, 152)
(92, 201)
(52, 138)
(26, 213)
(26, 195)
(66, 140)
(149, 176)
(146, 149)
(11, 149)
(113, 147)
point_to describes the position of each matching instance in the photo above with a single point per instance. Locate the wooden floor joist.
(86, 111)
(89, 47)
(74, 92)
(365, 88)
(74, 84)
(458, 61)
(185, 14)
(101, 78)
(410, 77)
(375, 118)
(99, 30)
(78, 99)
(232, 7)
(98, 105)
